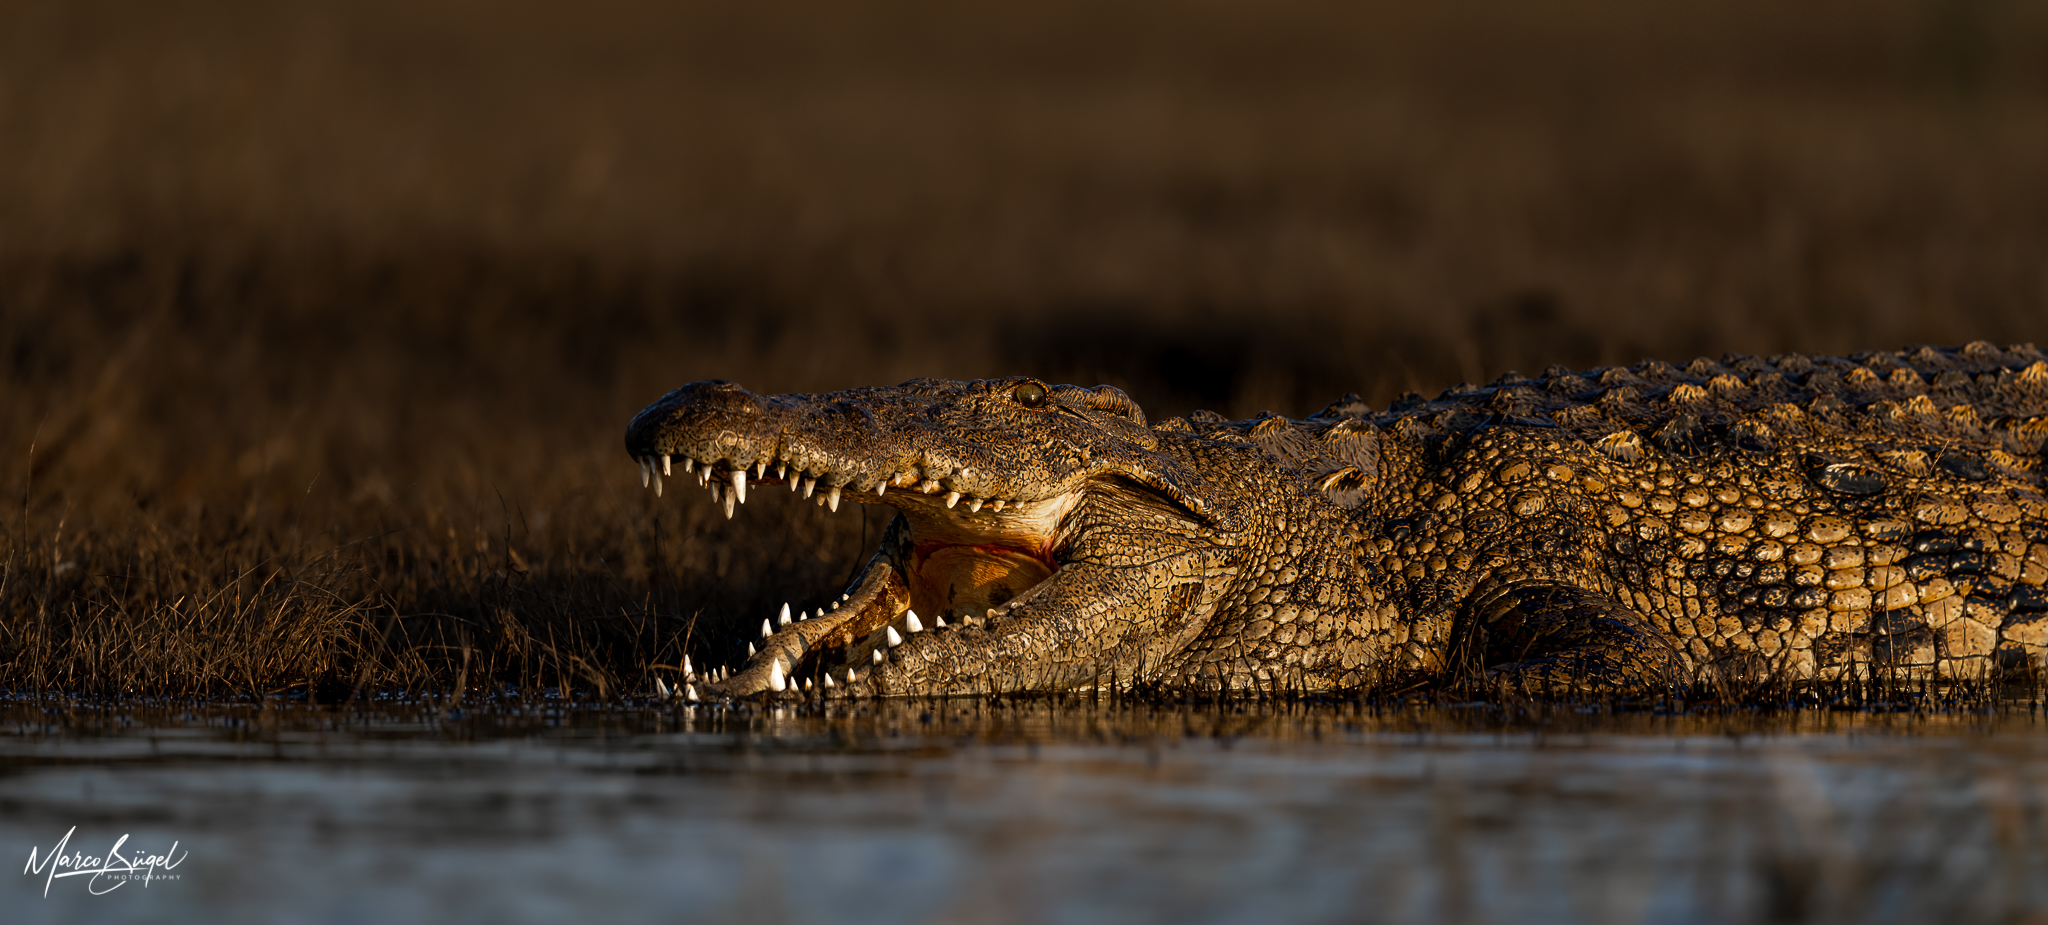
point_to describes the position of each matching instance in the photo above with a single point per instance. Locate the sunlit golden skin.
(1746, 521)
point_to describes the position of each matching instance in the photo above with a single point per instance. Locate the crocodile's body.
(1757, 518)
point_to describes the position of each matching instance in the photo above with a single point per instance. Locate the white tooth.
(828, 679)
(793, 487)
(832, 500)
(781, 470)
(938, 623)
(895, 638)
(952, 498)
(687, 670)
(881, 487)
(739, 484)
(802, 615)
(809, 486)
(766, 630)
(911, 623)
(690, 692)
(846, 597)
(645, 471)
(717, 490)
(728, 507)
(775, 675)
(974, 505)
(750, 650)
(782, 619)
(760, 468)
(657, 484)
(703, 475)
(877, 655)
(664, 465)
(661, 689)
(998, 504)
(852, 675)
(689, 465)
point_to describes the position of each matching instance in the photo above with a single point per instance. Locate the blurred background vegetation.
(320, 323)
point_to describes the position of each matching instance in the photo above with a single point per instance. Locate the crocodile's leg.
(1554, 638)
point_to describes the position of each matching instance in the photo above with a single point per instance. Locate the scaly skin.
(1622, 529)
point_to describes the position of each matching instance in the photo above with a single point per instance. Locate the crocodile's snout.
(720, 416)
(1000, 485)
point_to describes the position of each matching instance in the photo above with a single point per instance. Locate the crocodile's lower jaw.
(962, 561)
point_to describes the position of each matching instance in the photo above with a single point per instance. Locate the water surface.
(1072, 811)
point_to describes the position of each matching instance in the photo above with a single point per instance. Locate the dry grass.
(319, 325)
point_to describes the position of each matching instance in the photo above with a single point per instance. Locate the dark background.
(360, 296)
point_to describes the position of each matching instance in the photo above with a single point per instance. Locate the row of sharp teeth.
(688, 691)
(732, 484)
(777, 680)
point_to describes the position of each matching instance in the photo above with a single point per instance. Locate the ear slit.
(1106, 398)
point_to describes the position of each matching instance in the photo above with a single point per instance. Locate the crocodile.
(1620, 529)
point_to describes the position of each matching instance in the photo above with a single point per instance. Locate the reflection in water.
(1029, 812)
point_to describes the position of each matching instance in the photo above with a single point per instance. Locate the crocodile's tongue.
(962, 564)
(968, 581)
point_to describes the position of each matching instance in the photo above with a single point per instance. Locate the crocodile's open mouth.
(952, 560)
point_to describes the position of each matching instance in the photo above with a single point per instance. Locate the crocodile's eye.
(1030, 395)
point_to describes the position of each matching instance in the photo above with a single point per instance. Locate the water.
(1039, 812)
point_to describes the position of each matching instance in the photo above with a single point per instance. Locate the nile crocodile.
(1756, 518)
